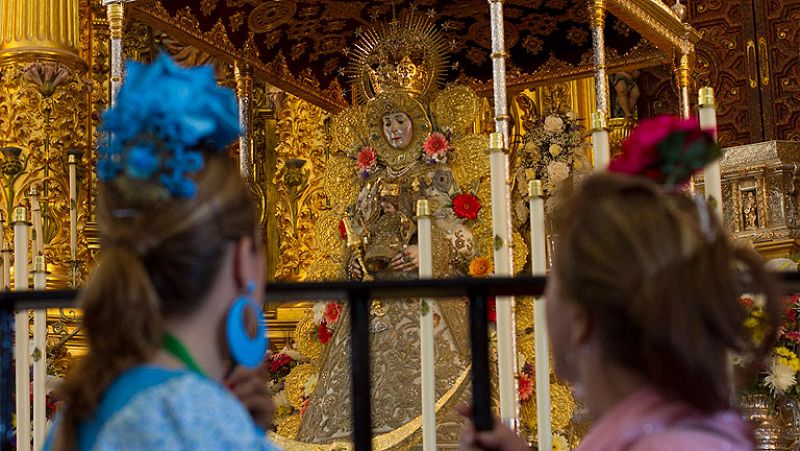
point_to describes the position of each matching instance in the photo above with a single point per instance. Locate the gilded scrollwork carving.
(301, 158)
(44, 113)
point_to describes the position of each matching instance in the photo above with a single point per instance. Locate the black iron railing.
(359, 294)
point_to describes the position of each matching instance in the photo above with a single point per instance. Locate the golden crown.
(405, 55)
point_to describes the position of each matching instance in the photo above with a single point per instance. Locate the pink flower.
(332, 311)
(640, 151)
(792, 336)
(367, 158)
(435, 145)
(525, 387)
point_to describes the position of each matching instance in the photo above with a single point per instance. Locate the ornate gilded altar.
(288, 61)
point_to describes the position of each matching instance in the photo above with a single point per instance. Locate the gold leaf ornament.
(290, 426)
(470, 162)
(305, 337)
(296, 383)
(341, 182)
(327, 239)
(348, 129)
(456, 108)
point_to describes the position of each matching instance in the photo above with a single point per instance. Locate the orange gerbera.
(480, 266)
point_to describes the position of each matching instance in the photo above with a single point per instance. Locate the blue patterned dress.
(154, 408)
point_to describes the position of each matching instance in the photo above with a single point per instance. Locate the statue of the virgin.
(405, 141)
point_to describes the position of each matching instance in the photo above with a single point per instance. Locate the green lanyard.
(179, 351)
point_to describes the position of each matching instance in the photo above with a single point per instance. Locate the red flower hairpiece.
(666, 149)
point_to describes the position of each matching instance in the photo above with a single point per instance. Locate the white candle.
(712, 174)
(36, 219)
(506, 355)
(73, 208)
(427, 354)
(600, 146)
(39, 358)
(22, 343)
(538, 268)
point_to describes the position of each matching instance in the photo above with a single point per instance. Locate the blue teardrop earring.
(245, 350)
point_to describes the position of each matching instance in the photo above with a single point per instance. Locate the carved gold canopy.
(303, 46)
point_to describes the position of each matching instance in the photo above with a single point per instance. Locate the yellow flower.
(555, 150)
(560, 443)
(480, 266)
(787, 358)
(751, 323)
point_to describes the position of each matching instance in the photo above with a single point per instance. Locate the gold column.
(40, 30)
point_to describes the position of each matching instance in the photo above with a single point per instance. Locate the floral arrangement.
(554, 148)
(667, 150)
(779, 375)
(164, 117)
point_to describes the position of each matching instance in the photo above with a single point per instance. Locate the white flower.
(319, 311)
(555, 150)
(758, 299)
(779, 377)
(279, 399)
(520, 361)
(560, 443)
(557, 171)
(310, 386)
(738, 360)
(553, 124)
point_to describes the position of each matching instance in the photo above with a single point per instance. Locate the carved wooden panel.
(659, 92)
(727, 61)
(778, 42)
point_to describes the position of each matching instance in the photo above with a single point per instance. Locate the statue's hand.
(354, 270)
(407, 260)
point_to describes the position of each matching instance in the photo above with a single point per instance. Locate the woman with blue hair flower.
(173, 308)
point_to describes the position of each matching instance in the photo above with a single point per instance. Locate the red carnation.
(466, 206)
(491, 309)
(278, 361)
(525, 387)
(342, 230)
(367, 158)
(435, 145)
(323, 332)
(332, 311)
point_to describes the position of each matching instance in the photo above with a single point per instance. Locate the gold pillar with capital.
(46, 116)
(40, 30)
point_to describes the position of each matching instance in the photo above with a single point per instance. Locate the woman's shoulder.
(183, 412)
(719, 431)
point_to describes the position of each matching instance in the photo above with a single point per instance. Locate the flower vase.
(776, 422)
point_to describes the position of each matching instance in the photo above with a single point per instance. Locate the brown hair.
(157, 262)
(661, 282)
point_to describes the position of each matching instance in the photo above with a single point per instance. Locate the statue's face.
(398, 129)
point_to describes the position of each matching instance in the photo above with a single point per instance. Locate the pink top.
(647, 421)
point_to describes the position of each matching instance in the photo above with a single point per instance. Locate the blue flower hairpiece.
(163, 119)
